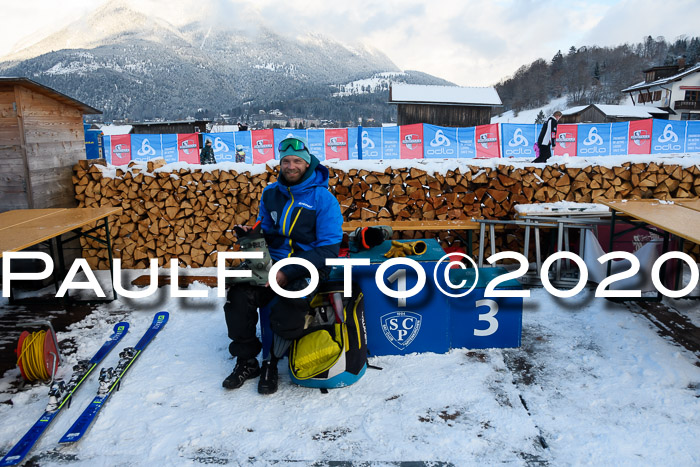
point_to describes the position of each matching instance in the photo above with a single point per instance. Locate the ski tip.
(161, 317)
(121, 327)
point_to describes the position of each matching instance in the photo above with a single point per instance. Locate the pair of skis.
(60, 393)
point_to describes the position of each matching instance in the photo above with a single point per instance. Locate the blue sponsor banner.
(145, 147)
(223, 144)
(467, 145)
(440, 142)
(317, 143)
(170, 151)
(668, 137)
(692, 137)
(279, 135)
(372, 143)
(517, 140)
(593, 140)
(352, 143)
(619, 137)
(245, 139)
(390, 142)
(107, 148)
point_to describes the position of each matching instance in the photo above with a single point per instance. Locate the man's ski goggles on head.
(294, 143)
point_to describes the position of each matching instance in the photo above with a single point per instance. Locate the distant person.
(242, 127)
(240, 153)
(207, 154)
(547, 140)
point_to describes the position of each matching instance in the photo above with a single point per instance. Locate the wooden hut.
(451, 106)
(179, 126)
(601, 113)
(41, 139)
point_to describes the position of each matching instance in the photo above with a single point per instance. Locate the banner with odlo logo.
(416, 141)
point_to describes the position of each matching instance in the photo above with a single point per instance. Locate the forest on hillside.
(591, 74)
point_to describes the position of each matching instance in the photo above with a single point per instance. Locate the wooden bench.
(415, 225)
(398, 226)
(433, 226)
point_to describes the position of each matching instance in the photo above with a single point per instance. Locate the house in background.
(451, 106)
(166, 127)
(41, 138)
(674, 88)
(601, 113)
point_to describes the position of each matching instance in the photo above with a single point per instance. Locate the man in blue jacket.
(300, 218)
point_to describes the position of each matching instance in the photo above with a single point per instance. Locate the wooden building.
(601, 113)
(173, 127)
(674, 88)
(41, 139)
(451, 106)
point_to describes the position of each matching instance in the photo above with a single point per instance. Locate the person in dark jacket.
(207, 154)
(240, 153)
(300, 218)
(547, 139)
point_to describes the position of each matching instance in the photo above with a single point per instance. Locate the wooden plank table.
(21, 229)
(679, 219)
(693, 204)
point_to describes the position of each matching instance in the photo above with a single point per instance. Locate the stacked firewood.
(189, 214)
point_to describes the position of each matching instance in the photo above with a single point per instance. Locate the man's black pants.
(545, 153)
(287, 316)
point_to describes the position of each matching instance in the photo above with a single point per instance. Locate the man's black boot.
(244, 370)
(268, 377)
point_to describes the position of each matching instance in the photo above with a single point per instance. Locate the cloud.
(632, 21)
(468, 42)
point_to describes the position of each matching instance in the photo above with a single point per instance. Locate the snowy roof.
(644, 84)
(640, 111)
(110, 130)
(574, 110)
(636, 111)
(224, 128)
(417, 93)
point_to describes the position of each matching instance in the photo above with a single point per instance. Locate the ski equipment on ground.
(59, 395)
(110, 379)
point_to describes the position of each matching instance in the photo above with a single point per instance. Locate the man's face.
(293, 168)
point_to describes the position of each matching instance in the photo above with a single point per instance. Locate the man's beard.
(292, 173)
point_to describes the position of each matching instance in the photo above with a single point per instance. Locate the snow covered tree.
(541, 118)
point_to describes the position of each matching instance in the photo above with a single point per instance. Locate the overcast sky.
(468, 42)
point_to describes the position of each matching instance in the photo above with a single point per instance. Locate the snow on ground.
(592, 382)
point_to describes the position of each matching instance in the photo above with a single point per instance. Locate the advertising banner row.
(419, 141)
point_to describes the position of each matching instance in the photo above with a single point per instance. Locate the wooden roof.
(40, 88)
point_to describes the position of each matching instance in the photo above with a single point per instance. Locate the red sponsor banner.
(188, 148)
(567, 137)
(639, 137)
(337, 143)
(488, 144)
(121, 149)
(263, 142)
(411, 146)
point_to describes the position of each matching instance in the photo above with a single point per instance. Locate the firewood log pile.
(189, 214)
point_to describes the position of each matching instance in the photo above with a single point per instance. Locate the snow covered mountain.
(128, 63)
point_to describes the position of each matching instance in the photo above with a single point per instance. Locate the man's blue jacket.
(302, 220)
